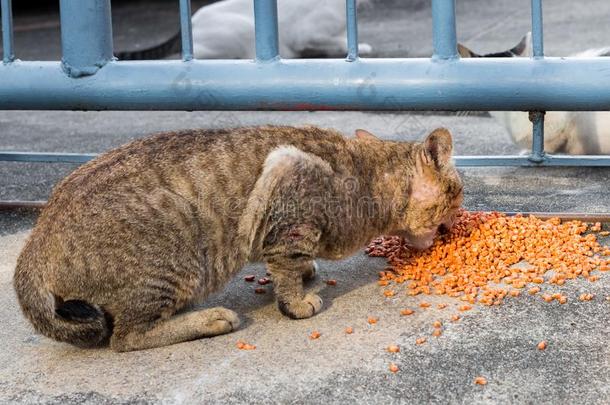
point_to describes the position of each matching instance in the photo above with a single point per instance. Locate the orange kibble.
(542, 345)
(241, 345)
(484, 250)
(604, 233)
(534, 290)
(394, 368)
(585, 297)
(349, 330)
(314, 335)
(547, 297)
(437, 324)
(405, 312)
(393, 349)
(383, 283)
(331, 282)
(465, 307)
(420, 341)
(480, 381)
(388, 293)
(455, 318)
(424, 304)
(437, 332)
(372, 320)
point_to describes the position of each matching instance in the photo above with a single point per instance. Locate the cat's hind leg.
(176, 329)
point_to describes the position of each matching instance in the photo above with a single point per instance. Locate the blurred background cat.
(570, 132)
(225, 30)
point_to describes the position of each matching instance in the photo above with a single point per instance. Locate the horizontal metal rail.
(460, 161)
(366, 84)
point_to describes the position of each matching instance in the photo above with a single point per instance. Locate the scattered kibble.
(314, 335)
(331, 282)
(406, 312)
(437, 332)
(349, 330)
(437, 324)
(264, 281)
(534, 290)
(425, 305)
(586, 297)
(465, 307)
(250, 278)
(241, 345)
(394, 368)
(393, 349)
(455, 318)
(372, 320)
(481, 251)
(542, 345)
(260, 290)
(420, 341)
(480, 381)
(441, 306)
(388, 293)
(604, 233)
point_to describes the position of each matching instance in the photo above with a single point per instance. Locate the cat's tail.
(164, 49)
(72, 321)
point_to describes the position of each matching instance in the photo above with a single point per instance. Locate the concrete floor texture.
(497, 342)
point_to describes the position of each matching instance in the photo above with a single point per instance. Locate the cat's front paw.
(309, 273)
(305, 308)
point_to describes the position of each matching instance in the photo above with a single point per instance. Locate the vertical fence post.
(7, 31)
(537, 119)
(352, 29)
(186, 30)
(537, 37)
(444, 35)
(86, 35)
(265, 30)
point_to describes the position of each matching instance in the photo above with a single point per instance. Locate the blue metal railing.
(88, 78)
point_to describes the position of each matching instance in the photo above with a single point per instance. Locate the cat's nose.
(442, 229)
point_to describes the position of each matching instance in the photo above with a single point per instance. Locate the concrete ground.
(287, 367)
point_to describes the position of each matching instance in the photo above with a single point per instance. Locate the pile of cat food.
(488, 256)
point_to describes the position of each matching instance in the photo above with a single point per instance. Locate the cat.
(570, 132)
(153, 227)
(225, 30)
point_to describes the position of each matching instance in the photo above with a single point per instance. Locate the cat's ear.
(465, 52)
(438, 147)
(523, 48)
(365, 135)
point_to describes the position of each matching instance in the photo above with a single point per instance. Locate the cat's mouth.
(417, 242)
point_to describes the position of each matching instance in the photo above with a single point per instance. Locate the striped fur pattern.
(151, 228)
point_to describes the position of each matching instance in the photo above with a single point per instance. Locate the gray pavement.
(287, 367)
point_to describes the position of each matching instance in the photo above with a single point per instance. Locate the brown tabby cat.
(150, 228)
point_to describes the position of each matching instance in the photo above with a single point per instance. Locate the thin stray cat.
(571, 132)
(225, 30)
(144, 231)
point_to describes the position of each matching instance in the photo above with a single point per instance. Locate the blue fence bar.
(186, 30)
(377, 84)
(266, 32)
(461, 161)
(86, 36)
(537, 37)
(537, 118)
(352, 29)
(7, 31)
(444, 35)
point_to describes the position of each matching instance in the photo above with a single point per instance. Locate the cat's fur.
(141, 232)
(571, 132)
(225, 30)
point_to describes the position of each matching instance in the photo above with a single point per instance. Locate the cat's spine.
(73, 321)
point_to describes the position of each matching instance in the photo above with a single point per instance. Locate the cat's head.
(426, 190)
(522, 49)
